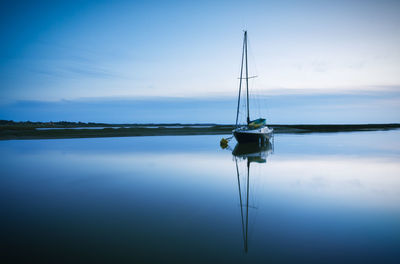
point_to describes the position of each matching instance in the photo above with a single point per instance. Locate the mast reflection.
(251, 152)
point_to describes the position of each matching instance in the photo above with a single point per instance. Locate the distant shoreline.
(58, 130)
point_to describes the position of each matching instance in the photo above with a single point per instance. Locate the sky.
(149, 61)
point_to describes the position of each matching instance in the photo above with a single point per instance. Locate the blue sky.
(333, 61)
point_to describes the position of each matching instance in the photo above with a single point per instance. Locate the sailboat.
(255, 130)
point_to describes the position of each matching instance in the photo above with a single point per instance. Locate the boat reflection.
(252, 152)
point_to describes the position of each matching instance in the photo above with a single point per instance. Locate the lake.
(314, 198)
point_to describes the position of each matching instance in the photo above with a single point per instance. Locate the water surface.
(316, 198)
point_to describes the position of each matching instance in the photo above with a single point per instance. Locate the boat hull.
(250, 136)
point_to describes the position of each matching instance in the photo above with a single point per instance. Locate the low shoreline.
(10, 130)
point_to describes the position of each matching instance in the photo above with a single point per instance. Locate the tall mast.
(247, 79)
(240, 82)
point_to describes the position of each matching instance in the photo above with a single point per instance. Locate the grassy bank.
(54, 130)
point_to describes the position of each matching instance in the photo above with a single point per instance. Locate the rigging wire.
(258, 102)
(240, 91)
(254, 94)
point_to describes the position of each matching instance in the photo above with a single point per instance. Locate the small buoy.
(223, 143)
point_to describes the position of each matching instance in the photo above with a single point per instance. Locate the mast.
(240, 82)
(247, 78)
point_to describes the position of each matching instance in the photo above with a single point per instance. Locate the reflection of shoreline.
(24, 130)
(252, 152)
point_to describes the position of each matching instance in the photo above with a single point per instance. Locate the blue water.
(317, 198)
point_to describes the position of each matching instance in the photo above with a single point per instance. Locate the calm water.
(318, 198)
